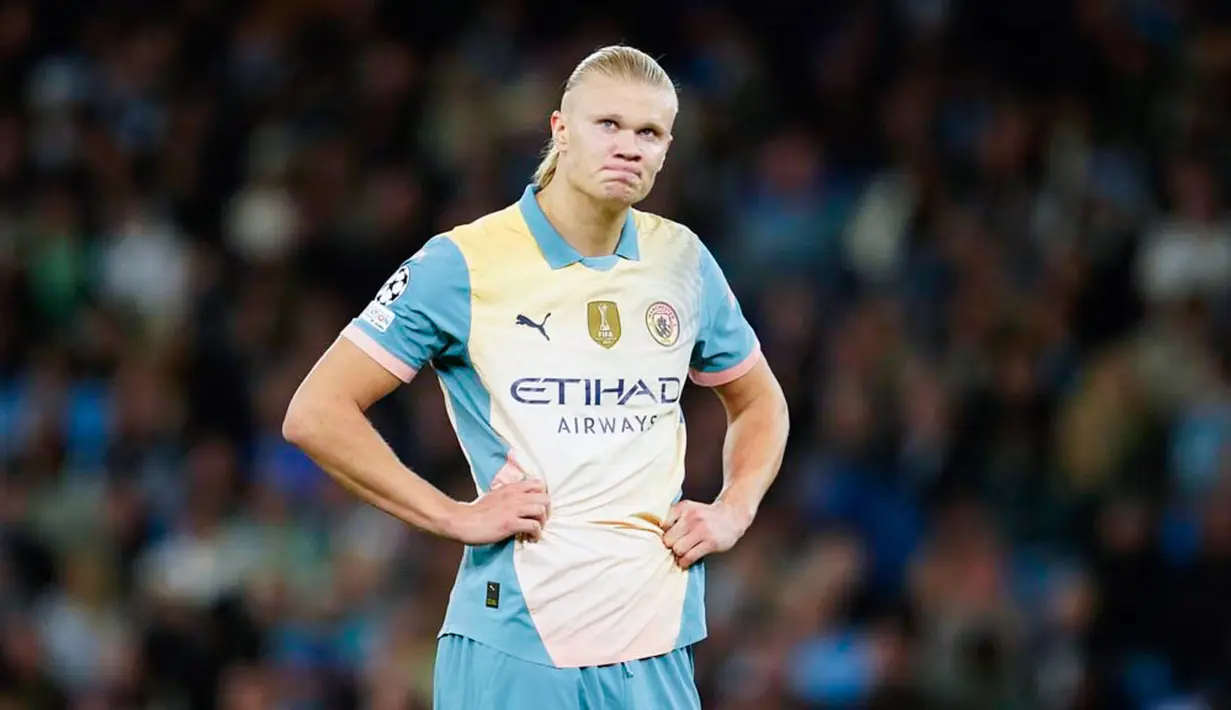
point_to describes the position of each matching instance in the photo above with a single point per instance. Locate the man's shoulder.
(501, 225)
(655, 226)
(492, 244)
(665, 238)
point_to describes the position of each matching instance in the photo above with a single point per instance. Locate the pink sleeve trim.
(722, 377)
(377, 352)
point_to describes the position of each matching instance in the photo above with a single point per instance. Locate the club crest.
(663, 323)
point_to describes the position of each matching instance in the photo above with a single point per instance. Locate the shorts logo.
(394, 287)
(603, 318)
(663, 323)
(377, 316)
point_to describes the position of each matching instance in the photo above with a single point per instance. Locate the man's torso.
(571, 370)
(584, 369)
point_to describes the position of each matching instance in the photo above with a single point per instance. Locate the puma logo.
(540, 327)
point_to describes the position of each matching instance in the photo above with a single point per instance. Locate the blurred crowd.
(986, 246)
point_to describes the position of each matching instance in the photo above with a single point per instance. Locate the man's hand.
(518, 508)
(694, 530)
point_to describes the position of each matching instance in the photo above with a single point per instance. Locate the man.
(562, 329)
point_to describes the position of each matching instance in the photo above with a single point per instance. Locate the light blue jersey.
(569, 370)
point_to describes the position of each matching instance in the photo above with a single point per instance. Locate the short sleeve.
(421, 310)
(726, 347)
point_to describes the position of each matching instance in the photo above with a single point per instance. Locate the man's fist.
(693, 530)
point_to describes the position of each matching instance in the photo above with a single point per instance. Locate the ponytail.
(547, 167)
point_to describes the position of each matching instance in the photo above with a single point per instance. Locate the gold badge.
(604, 320)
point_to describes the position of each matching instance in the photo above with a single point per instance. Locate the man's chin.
(618, 193)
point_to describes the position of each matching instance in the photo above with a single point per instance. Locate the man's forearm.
(341, 440)
(752, 454)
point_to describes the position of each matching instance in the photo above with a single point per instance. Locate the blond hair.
(614, 62)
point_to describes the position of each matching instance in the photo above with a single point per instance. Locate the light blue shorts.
(471, 676)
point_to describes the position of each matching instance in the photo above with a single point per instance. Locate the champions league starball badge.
(394, 287)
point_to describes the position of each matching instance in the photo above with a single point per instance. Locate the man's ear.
(666, 151)
(559, 131)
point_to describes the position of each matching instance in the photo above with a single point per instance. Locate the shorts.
(471, 676)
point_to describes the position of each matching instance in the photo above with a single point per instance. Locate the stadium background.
(985, 244)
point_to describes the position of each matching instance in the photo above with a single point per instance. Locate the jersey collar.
(558, 252)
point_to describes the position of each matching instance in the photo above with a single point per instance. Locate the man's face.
(613, 137)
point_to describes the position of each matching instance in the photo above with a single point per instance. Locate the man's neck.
(588, 226)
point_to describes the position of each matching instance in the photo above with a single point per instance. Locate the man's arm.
(421, 311)
(758, 423)
(757, 426)
(327, 419)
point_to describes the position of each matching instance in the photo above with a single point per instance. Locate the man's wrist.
(444, 516)
(745, 510)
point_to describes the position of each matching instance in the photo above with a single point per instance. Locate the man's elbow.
(771, 412)
(772, 402)
(301, 422)
(782, 411)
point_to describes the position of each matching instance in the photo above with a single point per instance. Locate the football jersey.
(568, 369)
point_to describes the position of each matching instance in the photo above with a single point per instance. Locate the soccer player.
(563, 329)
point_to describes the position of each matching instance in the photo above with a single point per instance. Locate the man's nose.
(626, 147)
